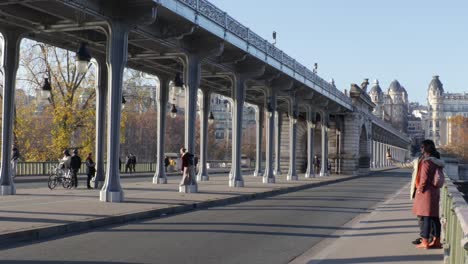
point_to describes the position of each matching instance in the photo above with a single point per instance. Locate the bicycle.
(58, 175)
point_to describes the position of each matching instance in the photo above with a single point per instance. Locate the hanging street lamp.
(173, 111)
(44, 94)
(83, 59)
(123, 102)
(211, 118)
(178, 84)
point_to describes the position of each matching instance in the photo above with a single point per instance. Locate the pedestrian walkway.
(38, 213)
(383, 236)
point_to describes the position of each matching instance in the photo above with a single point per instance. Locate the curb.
(75, 227)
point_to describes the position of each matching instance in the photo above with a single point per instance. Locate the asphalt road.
(271, 230)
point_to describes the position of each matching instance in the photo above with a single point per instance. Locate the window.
(437, 123)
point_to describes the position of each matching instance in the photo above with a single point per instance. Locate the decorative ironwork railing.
(45, 168)
(454, 218)
(221, 18)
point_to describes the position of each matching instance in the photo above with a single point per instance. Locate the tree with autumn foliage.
(67, 119)
(458, 143)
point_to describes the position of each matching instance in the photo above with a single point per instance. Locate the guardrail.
(454, 217)
(44, 168)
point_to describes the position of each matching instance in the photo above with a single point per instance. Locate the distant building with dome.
(392, 106)
(441, 107)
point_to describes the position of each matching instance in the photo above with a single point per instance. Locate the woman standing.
(426, 200)
(90, 169)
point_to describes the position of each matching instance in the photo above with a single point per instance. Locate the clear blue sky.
(407, 40)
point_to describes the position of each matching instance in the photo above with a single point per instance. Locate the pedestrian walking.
(317, 164)
(187, 167)
(75, 165)
(120, 164)
(128, 163)
(133, 164)
(90, 169)
(167, 161)
(15, 155)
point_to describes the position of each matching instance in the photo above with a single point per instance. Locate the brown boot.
(424, 244)
(435, 243)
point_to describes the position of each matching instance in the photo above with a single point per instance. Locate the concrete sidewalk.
(39, 213)
(383, 236)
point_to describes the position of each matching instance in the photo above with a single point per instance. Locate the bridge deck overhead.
(155, 43)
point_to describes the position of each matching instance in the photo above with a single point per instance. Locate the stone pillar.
(12, 39)
(278, 126)
(238, 97)
(310, 173)
(192, 74)
(374, 152)
(340, 150)
(162, 97)
(378, 156)
(116, 61)
(101, 100)
(205, 105)
(324, 163)
(259, 117)
(268, 176)
(293, 115)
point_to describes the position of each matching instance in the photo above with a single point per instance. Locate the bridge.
(215, 54)
(303, 114)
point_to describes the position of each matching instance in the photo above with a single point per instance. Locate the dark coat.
(75, 162)
(90, 166)
(426, 200)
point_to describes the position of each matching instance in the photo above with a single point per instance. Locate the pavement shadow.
(62, 262)
(381, 259)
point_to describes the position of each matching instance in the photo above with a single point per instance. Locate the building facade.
(441, 107)
(392, 106)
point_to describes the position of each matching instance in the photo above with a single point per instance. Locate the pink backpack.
(439, 178)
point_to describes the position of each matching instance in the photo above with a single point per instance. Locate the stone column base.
(8, 190)
(277, 173)
(309, 175)
(203, 178)
(323, 174)
(97, 184)
(257, 173)
(188, 188)
(112, 197)
(236, 184)
(269, 180)
(159, 180)
(292, 178)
